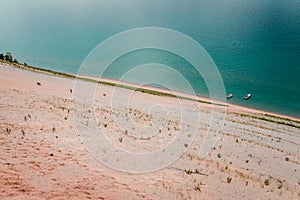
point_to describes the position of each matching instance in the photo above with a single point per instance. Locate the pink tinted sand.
(42, 156)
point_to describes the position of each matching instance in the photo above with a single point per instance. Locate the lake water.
(254, 43)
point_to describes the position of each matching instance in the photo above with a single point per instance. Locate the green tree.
(8, 57)
(1, 56)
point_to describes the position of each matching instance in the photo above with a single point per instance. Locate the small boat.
(247, 96)
(229, 96)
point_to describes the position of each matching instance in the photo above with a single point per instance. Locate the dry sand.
(42, 156)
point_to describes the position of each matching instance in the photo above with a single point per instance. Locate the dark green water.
(254, 43)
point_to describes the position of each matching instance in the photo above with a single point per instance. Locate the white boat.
(247, 96)
(229, 96)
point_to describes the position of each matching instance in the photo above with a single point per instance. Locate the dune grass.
(265, 117)
(275, 119)
(71, 76)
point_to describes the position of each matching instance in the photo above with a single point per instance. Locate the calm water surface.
(255, 43)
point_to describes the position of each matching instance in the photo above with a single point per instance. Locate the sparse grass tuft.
(8, 130)
(197, 187)
(229, 179)
(280, 185)
(219, 155)
(267, 182)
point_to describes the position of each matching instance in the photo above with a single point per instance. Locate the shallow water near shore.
(255, 44)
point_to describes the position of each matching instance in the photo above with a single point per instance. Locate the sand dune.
(42, 157)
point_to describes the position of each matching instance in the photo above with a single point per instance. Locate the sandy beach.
(256, 156)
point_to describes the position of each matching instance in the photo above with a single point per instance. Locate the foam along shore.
(42, 157)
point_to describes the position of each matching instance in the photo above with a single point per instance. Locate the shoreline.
(44, 156)
(230, 107)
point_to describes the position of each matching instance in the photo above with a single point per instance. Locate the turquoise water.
(255, 43)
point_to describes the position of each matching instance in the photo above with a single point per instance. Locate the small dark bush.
(287, 159)
(229, 179)
(267, 182)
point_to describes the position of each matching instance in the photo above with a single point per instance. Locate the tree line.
(8, 57)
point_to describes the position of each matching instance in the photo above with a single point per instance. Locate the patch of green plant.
(143, 90)
(289, 123)
(282, 118)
